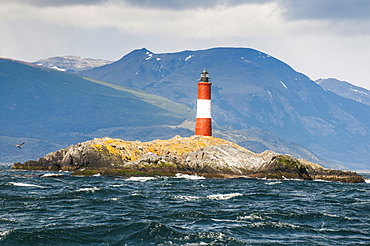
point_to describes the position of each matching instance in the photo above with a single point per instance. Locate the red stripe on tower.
(203, 125)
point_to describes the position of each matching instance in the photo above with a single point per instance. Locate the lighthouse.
(203, 125)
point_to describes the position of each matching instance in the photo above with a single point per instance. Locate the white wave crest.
(251, 217)
(140, 179)
(274, 183)
(223, 196)
(25, 185)
(187, 176)
(93, 189)
(274, 225)
(322, 180)
(188, 198)
(210, 197)
(4, 233)
(52, 175)
(367, 181)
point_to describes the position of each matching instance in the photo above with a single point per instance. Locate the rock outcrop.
(207, 156)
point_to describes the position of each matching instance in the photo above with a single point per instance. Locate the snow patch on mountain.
(60, 69)
(189, 57)
(358, 91)
(345, 89)
(283, 84)
(71, 63)
(150, 55)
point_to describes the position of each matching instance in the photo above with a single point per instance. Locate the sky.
(319, 38)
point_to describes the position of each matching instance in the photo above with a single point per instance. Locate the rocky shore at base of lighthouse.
(196, 155)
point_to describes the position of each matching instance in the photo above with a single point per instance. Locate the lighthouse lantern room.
(203, 125)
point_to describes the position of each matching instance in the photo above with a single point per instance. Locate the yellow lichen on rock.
(113, 150)
(133, 150)
(205, 156)
(311, 164)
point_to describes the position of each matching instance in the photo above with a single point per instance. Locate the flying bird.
(19, 145)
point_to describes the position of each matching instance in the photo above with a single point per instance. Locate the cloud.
(218, 22)
(148, 4)
(333, 10)
(342, 18)
(190, 4)
(292, 9)
(318, 37)
(56, 3)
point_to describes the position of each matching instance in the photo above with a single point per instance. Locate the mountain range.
(253, 90)
(258, 101)
(49, 109)
(71, 64)
(345, 89)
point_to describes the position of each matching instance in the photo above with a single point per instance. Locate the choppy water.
(39, 209)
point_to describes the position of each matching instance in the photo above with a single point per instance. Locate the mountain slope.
(71, 63)
(345, 89)
(253, 90)
(50, 108)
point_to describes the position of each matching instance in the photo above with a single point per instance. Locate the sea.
(56, 208)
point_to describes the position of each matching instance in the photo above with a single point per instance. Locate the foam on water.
(46, 175)
(187, 176)
(251, 217)
(224, 196)
(209, 197)
(25, 185)
(273, 183)
(4, 234)
(180, 211)
(90, 189)
(187, 198)
(274, 225)
(140, 179)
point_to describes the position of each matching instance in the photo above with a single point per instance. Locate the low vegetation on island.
(196, 155)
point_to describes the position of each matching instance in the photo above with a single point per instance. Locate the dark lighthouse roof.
(204, 76)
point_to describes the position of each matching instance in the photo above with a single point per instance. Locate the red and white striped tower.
(203, 125)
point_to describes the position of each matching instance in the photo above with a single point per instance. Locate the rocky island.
(197, 155)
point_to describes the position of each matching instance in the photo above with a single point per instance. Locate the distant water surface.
(43, 208)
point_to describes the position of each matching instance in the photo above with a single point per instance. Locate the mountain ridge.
(71, 64)
(345, 89)
(40, 141)
(49, 109)
(251, 90)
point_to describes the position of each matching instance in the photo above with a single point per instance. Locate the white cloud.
(220, 21)
(326, 9)
(309, 35)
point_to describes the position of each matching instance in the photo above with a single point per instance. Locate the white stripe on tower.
(203, 125)
(203, 108)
